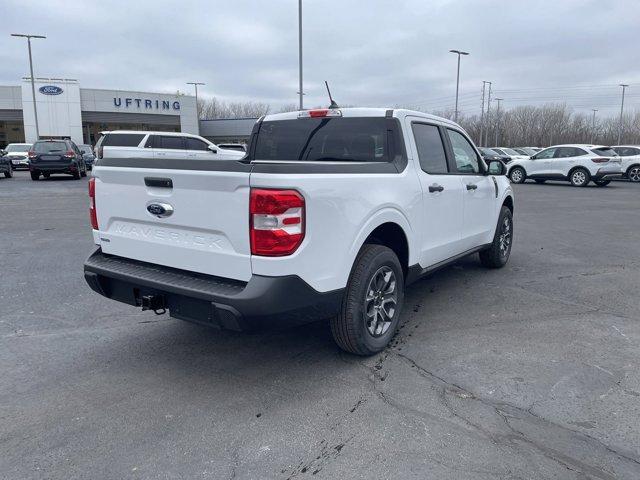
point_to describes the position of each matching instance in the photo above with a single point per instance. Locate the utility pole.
(498, 119)
(486, 137)
(300, 92)
(624, 86)
(480, 142)
(33, 85)
(593, 125)
(459, 53)
(195, 84)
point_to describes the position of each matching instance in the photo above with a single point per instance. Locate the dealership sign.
(145, 103)
(50, 90)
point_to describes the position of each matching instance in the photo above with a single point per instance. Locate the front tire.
(372, 302)
(497, 255)
(35, 176)
(84, 171)
(633, 173)
(517, 175)
(580, 177)
(8, 173)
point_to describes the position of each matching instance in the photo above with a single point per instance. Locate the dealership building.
(65, 110)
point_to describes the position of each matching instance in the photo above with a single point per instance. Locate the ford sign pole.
(33, 86)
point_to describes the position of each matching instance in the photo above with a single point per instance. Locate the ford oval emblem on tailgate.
(160, 210)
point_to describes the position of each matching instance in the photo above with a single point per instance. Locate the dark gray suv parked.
(56, 156)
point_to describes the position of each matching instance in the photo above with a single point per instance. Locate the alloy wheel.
(634, 174)
(380, 301)
(578, 177)
(505, 236)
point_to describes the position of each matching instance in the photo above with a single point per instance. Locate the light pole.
(498, 118)
(195, 84)
(593, 125)
(484, 84)
(459, 53)
(624, 86)
(300, 91)
(33, 85)
(486, 138)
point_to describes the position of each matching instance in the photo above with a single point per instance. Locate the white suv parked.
(630, 156)
(330, 214)
(145, 145)
(578, 164)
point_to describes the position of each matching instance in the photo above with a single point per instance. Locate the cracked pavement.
(529, 372)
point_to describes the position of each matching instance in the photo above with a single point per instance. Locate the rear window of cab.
(351, 139)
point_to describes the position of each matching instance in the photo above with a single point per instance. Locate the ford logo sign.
(50, 90)
(160, 210)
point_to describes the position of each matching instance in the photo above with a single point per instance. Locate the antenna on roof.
(333, 103)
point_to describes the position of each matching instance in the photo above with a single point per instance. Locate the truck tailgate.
(207, 230)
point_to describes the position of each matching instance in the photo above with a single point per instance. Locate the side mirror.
(496, 167)
(82, 152)
(532, 157)
(213, 149)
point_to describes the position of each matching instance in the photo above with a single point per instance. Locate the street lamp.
(195, 84)
(457, 52)
(300, 91)
(624, 86)
(33, 86)
(593, 125)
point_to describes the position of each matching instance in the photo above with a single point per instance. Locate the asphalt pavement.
(528, 372)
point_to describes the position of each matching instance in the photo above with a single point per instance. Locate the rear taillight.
(69, 154)
(93, 215)
(31, 154)
(599, 160)
(276, 221)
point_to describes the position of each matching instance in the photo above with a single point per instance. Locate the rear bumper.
(53, 167)
(607, 175)
(262, 302)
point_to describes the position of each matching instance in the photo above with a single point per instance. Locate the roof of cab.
(367, 112)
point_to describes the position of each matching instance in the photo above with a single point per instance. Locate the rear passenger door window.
(431, 152)
(168, 146)
(465, 156)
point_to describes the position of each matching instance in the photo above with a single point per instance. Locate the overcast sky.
(372, 52)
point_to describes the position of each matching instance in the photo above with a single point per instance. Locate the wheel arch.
(516, 166)
(637, 164)
(391, 235)
(389, 227)
(508, 202)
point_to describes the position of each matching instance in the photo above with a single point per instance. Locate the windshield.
(510, 151)
(487, 151)
(360, 139)
(604, 151)
(50, 147)
(527, 151)
(18, 147)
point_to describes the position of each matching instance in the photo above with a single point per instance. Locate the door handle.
(471, 186)
(435, 188)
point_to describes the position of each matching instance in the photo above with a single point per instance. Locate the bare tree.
(210, 108)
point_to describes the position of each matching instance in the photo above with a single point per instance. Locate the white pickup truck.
(329, 216)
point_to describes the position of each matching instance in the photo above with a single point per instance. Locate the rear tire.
(35, 176)
(84, 172)
(76, 174)
(517, 175)
(633, 173)
(602, 183)
(580, 177)
(8, 173)
(497, 255)
(372, 302)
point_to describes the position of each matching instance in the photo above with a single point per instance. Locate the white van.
(158, 145)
